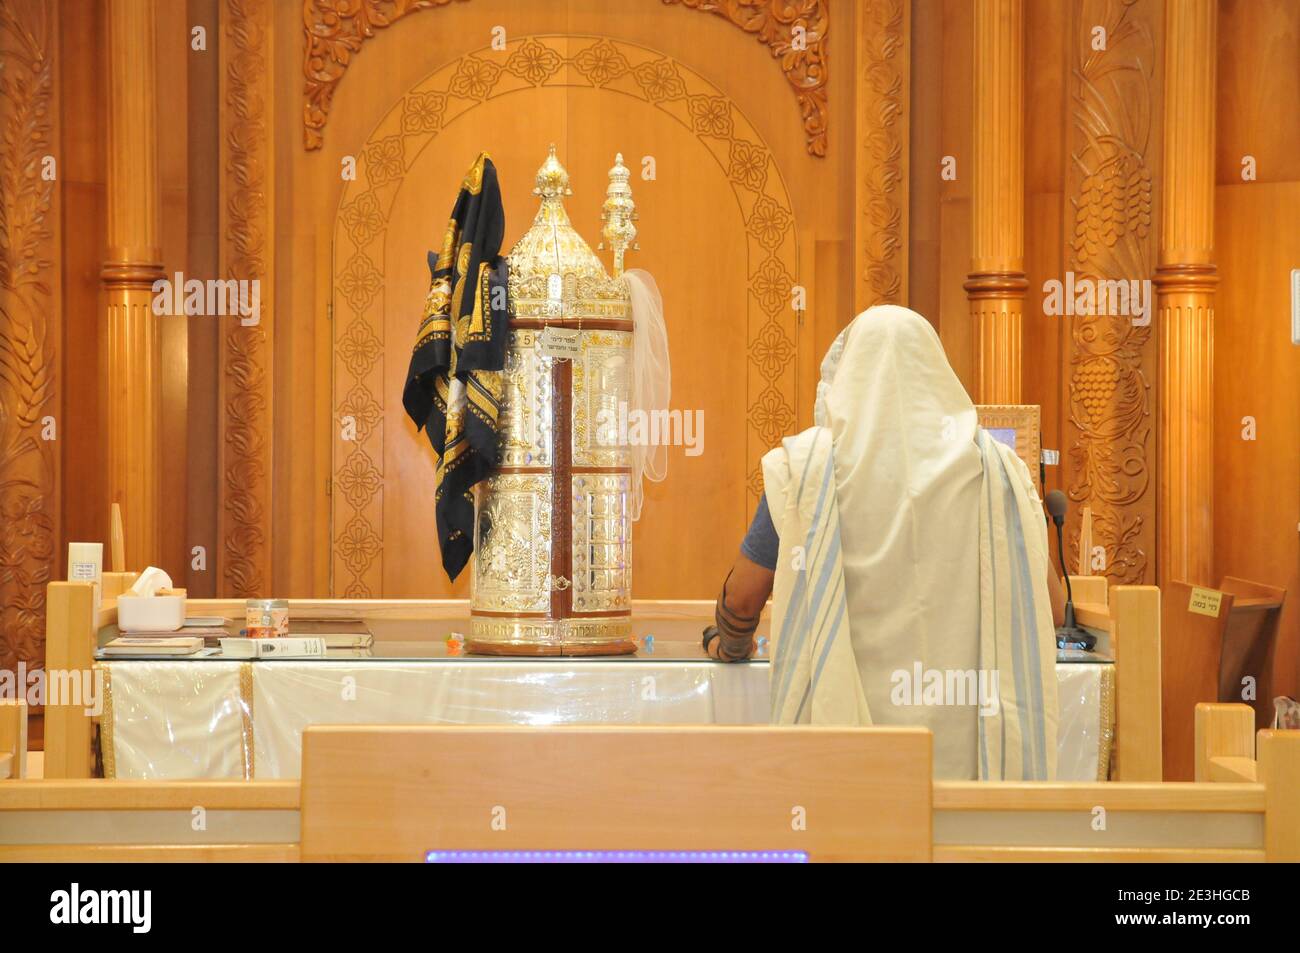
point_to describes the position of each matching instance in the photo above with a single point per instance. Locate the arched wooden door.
(716, 230)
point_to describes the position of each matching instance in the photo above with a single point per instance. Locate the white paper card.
(562, 344)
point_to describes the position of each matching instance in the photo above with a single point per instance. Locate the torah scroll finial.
(619, 214)
(552, 179)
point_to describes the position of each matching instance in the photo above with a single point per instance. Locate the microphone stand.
(1070, 635)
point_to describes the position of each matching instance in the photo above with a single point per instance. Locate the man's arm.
(740, 603)
(745, 591)
(1057, 594)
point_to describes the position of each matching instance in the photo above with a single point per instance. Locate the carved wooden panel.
(30, 337)
(795, 32)
(1113, 145)
(247, 237)
(882, 89)
(585, 77)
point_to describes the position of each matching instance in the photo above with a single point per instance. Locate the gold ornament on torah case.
(553, 555)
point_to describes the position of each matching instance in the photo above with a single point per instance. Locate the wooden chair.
(394, 793)
(13, 739)
(1215, 639)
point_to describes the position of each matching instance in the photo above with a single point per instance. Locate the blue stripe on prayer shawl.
(1029, 646)
(836, 594)
(832, 547)
(808, 608)
(834, 629)
(1002, 748)
(791, 624)
(1017, 642)
(834, 634)
(1033, 709)
(828, 544)
(789, 629)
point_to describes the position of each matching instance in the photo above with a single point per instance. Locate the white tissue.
(149, 582)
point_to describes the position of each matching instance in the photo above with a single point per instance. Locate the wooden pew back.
(1102, 823)
(394, 793)
(95, 820)
(1215, 638)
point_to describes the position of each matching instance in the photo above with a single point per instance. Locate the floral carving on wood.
(245, 358)
(794, 30)
(882, 89)
(334, 31)
(28, 485)
(1109, 237)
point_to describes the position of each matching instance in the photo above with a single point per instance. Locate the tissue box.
(150, 613)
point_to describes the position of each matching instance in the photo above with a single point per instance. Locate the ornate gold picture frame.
(1019, 427)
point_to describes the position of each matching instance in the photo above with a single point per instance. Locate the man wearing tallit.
(912, 584)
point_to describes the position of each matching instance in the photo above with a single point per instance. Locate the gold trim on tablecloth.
(246, 717)
(106, 750)
(1106, 722)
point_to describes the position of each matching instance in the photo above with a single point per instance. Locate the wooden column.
(996, 286)
(134, 263)
(1185, 281)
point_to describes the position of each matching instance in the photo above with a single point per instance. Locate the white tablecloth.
(186, 719)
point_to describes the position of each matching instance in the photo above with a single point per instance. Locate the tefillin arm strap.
(736, 631)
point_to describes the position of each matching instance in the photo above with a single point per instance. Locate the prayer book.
(153, 645)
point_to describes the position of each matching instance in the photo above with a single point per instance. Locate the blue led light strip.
(616, 857)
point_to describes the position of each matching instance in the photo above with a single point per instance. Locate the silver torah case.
(553, 534)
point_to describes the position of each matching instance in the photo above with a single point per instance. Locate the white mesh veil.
(652, 378)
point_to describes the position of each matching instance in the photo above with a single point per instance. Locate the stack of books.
(307, 638)
(189, 639)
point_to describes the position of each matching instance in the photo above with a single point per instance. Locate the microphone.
(1069, 635)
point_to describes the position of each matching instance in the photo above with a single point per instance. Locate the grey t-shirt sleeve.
(761, 542)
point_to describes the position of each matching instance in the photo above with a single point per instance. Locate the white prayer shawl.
(814, 678)
(911, 572)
